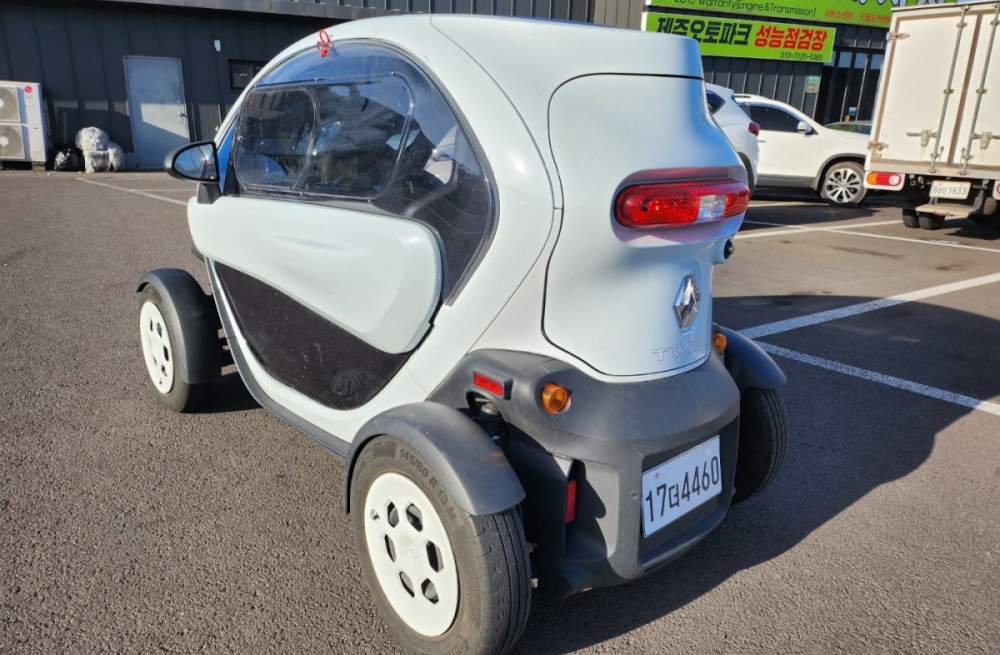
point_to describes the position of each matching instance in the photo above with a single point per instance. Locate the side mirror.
(804, 128)
(196, 161)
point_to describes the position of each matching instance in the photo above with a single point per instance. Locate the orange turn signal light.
(554, 398)
(719, 342)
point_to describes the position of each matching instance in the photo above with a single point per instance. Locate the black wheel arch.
(748, 364)
(473, 469)
(192, 314)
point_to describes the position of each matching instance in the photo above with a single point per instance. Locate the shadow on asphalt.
(848, 437)
(228, 394)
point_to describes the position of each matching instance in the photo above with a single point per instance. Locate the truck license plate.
(954, 190)
(675, 487)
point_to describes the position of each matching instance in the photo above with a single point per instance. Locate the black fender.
(473, 469)
(194, 319)
(750, 366)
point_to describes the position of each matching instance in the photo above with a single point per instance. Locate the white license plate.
(675, 487)
(956, 190)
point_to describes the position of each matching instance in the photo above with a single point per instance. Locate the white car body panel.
(794, 155)
(605, 279)
(340, 424)
(502, 304)
(356, 274)
(735, 124)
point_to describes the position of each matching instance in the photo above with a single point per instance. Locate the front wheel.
(159, 341)
(443, 580)
(842, 184)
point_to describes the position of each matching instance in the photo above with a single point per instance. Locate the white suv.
(796, 151)
(737, 126)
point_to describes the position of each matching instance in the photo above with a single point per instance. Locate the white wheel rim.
(411, 554)
(843, 185)
(156, 347)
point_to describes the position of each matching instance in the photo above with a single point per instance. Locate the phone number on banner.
(752, 39)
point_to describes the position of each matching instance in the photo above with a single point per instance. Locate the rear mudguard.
(750, 366)
(473, 469)
(195, 322)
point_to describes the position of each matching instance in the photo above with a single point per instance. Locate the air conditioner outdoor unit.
(22, 123)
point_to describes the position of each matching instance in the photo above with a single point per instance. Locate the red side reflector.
(667, 204)
(753, 128)
(570, 501)
(485, 383)
(884, 179)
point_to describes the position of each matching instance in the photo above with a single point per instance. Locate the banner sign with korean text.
(873, 13)
(732, 37)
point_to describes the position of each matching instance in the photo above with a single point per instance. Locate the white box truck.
(936, 130)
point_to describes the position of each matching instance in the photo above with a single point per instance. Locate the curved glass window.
(365, 124)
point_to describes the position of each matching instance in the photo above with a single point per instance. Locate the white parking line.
(888, 380)
(140, 193)
(862, 308)
(848, 229)
(796, 229)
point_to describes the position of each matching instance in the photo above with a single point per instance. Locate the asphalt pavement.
(128, 529)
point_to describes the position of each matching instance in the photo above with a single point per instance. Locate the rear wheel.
(443, 580)
(990, 213)
(159, 340)
(763, 441)
(910, 218)
(842, 184)
(930, 221)
(750, 174)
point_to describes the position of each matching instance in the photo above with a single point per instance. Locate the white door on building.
(156, 107)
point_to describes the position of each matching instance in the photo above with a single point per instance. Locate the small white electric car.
(473, 257)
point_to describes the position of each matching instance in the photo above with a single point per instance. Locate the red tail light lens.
(885, 179)
(753, 128)
(669, 204)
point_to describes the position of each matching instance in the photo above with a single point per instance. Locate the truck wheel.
(910, 218)
(842, 184)
(930, 221)
(443, 580)
(158, 337)
(763, 441)
(989, 215)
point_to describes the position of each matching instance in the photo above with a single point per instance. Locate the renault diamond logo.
(687, 302)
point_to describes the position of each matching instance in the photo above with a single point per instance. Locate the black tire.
(843, 184)
(750, 174)
(910, 219)
(990, 214)
(158, 334)
(489, 554)
(930, 221)
(763, 441)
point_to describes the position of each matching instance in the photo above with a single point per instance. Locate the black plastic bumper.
(609, 435)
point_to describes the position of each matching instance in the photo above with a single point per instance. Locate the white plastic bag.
(116, 156)
(92, 138)
(97, 161)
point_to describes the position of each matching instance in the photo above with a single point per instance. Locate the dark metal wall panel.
(77, 51)
(114, 44)
(60, 80)
(23, 44)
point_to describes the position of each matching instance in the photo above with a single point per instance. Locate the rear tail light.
(753, 128)
(884, 179)
(667, 204)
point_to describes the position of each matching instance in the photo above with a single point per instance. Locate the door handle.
(181, 114)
